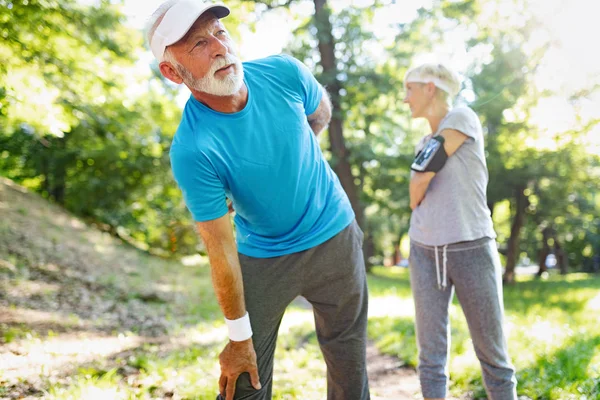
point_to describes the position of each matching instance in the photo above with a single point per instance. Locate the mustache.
(223, 62)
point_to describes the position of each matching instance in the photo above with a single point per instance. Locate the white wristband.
(239, 329)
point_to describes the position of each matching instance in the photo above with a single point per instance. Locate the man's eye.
(201, 43)
(222, 32)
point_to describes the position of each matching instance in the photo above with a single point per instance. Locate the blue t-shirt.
(266, 159)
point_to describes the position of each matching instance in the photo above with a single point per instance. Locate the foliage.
(85, 125)
(81, 124)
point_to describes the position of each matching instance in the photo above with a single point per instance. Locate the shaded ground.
(388, 379)
(76, 303)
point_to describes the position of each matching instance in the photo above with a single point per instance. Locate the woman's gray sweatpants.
(331, 276)
(473, 269)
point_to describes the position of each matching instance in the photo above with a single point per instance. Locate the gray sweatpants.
(473, 269)
(331, 276)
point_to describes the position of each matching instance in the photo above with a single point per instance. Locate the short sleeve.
(202, 189)
(310, 89)
(464, 120)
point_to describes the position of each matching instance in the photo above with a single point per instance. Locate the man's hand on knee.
(235, 359)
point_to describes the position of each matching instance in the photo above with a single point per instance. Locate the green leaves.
(82, 125)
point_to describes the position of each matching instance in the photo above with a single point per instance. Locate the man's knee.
(244, 389)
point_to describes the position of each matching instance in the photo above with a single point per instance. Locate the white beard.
(227, 86)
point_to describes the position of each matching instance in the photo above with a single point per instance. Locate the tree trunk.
(544, 252)
(398, 256)
(337, 145)
(59, 187)
(561, 257)
(515, 230)
(58, 169)
(44, 170)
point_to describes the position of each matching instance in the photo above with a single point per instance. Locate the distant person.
(452, 244)
(248, 133)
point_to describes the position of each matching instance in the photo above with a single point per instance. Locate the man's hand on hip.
(235, 359)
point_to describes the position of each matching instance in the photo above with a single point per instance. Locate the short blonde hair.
(441, 76)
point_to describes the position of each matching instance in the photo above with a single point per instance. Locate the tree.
(80, 122)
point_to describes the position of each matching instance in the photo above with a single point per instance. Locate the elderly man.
(248, 134)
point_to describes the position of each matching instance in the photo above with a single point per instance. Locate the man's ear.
(168, 71)
(430, 88)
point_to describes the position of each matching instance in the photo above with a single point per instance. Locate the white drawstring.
(441, 285)
(445, 267)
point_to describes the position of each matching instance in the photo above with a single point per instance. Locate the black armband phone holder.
(432, 157)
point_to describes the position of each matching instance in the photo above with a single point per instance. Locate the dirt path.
(388, 380)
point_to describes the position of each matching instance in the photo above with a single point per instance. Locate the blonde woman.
(452, 237)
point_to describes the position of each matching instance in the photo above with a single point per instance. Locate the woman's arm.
(453, 139)
(418, 186)
(419, 182)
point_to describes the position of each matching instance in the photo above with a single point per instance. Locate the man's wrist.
(239, 329)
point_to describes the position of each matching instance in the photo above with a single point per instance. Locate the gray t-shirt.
(455, 207)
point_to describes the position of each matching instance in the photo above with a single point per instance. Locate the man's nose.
(217, 47)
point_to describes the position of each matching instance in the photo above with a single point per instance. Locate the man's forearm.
(227, 281)
(225, 266)
(238, 356)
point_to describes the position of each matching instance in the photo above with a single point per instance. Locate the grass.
(191, 371)
(553, 339)
(78, 311)
(552, 327)
(10, 334)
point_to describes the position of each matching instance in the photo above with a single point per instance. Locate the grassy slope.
(84, 316)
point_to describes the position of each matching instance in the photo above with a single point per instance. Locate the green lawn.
(83, 316)
(553, 334)
(554, 340)
(554, 337)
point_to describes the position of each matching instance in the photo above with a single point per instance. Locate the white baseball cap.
(178, 20)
